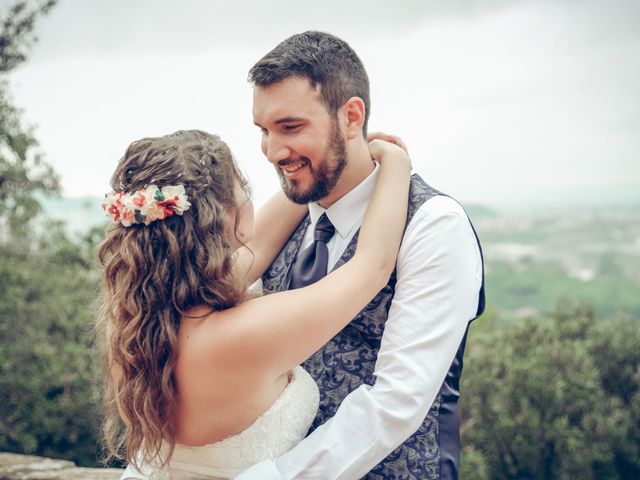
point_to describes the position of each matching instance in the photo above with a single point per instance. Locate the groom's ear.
(353, 113)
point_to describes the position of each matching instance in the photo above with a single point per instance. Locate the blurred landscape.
(532, 258)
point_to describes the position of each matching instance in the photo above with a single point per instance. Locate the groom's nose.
(275, 149)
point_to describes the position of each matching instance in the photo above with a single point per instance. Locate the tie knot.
(324, 229)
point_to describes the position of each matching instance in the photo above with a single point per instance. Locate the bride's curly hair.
(152, 274)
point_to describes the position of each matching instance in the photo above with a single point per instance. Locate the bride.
(201, 375)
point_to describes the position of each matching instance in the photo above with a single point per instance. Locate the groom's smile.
(290, 168)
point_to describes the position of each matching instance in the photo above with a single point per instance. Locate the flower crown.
(147, 205)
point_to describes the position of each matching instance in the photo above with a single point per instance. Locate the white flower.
(127, 203)
(177, 193)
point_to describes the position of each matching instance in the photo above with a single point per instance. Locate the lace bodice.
(276, 431)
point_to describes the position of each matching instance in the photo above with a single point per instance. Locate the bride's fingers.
(398, 141)
(388, 138)
(379, 136)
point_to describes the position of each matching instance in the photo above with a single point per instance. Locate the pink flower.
(154, 212)
(128, 217)
(139, 199)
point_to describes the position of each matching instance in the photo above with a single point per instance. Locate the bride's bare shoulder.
(209, 338)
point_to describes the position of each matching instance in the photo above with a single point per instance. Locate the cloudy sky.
(514, 104)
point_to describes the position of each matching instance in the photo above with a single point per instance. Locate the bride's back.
(220, 392)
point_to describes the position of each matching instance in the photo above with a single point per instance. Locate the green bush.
(50, 400)
(553, 397)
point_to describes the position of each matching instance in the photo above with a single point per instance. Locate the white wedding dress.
(273, 433)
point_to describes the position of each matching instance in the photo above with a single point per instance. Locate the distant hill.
(80, 213)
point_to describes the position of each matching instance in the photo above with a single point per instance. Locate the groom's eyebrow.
(288, 120)
(282, 120)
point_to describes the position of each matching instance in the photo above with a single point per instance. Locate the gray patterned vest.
(348, 360)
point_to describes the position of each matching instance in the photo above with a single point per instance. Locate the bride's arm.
(274, 224)
(279, 331)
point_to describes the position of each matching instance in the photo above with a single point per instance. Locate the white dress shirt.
(439, 272)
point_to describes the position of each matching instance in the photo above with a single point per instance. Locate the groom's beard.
(325, 174)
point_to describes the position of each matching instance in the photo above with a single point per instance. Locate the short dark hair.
(324, 60)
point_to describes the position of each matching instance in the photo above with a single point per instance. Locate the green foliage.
(554, 397)
(17, 32)
(47, 369)
(23, 170)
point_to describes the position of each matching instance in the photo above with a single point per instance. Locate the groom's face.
(300, 138)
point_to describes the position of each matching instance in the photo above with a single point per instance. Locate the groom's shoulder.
(419, 185)
(419, 193)
(428, 201)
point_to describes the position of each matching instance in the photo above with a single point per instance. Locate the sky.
(510, 104)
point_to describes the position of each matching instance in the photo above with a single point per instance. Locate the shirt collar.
(346, 213)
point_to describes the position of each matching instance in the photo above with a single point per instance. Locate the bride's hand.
(388, 138)
(383, 151)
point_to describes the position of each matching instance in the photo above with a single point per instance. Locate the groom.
(389, 380)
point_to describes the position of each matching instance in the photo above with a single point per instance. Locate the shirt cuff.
(265, 470)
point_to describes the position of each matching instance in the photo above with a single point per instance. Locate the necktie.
(311, 264)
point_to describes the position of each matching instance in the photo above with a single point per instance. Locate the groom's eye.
(291, 128)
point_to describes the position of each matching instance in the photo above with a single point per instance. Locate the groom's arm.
(439, 277)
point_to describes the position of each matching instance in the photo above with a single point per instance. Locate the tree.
(23, 170)
(48, 370)
(553, 397)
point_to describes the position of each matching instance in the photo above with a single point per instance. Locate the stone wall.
(27, 467)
